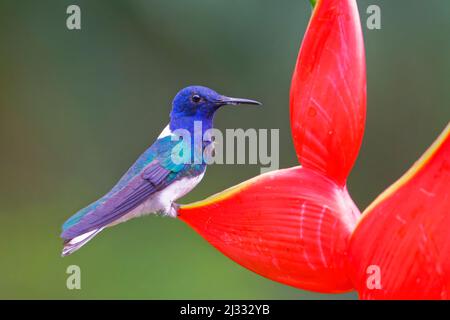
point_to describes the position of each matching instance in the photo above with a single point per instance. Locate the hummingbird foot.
(174, 210)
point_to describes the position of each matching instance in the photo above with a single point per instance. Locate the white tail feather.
(76, 243)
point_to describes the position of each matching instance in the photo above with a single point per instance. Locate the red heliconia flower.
(405, 233)
(299, 226)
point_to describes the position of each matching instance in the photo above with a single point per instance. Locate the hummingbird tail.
(72, 245)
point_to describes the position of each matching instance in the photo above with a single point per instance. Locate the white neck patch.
(166, 132)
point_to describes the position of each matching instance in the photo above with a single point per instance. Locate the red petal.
(405, 232)
(328, 90)
(290, 225)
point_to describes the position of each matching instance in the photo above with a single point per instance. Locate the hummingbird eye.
(196, 98)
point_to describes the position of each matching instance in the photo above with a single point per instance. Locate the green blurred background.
(77, 108)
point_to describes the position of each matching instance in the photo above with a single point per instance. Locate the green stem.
(313, 3)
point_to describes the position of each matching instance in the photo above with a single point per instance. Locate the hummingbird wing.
(153, 171)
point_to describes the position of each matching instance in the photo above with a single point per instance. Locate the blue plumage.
(155, 180)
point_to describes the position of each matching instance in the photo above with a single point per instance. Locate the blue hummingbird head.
(197, 103)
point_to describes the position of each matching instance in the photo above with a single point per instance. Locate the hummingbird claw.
(174, 210)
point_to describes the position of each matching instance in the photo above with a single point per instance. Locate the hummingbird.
(155, 181)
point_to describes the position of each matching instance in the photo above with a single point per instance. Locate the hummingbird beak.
(236, 101)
